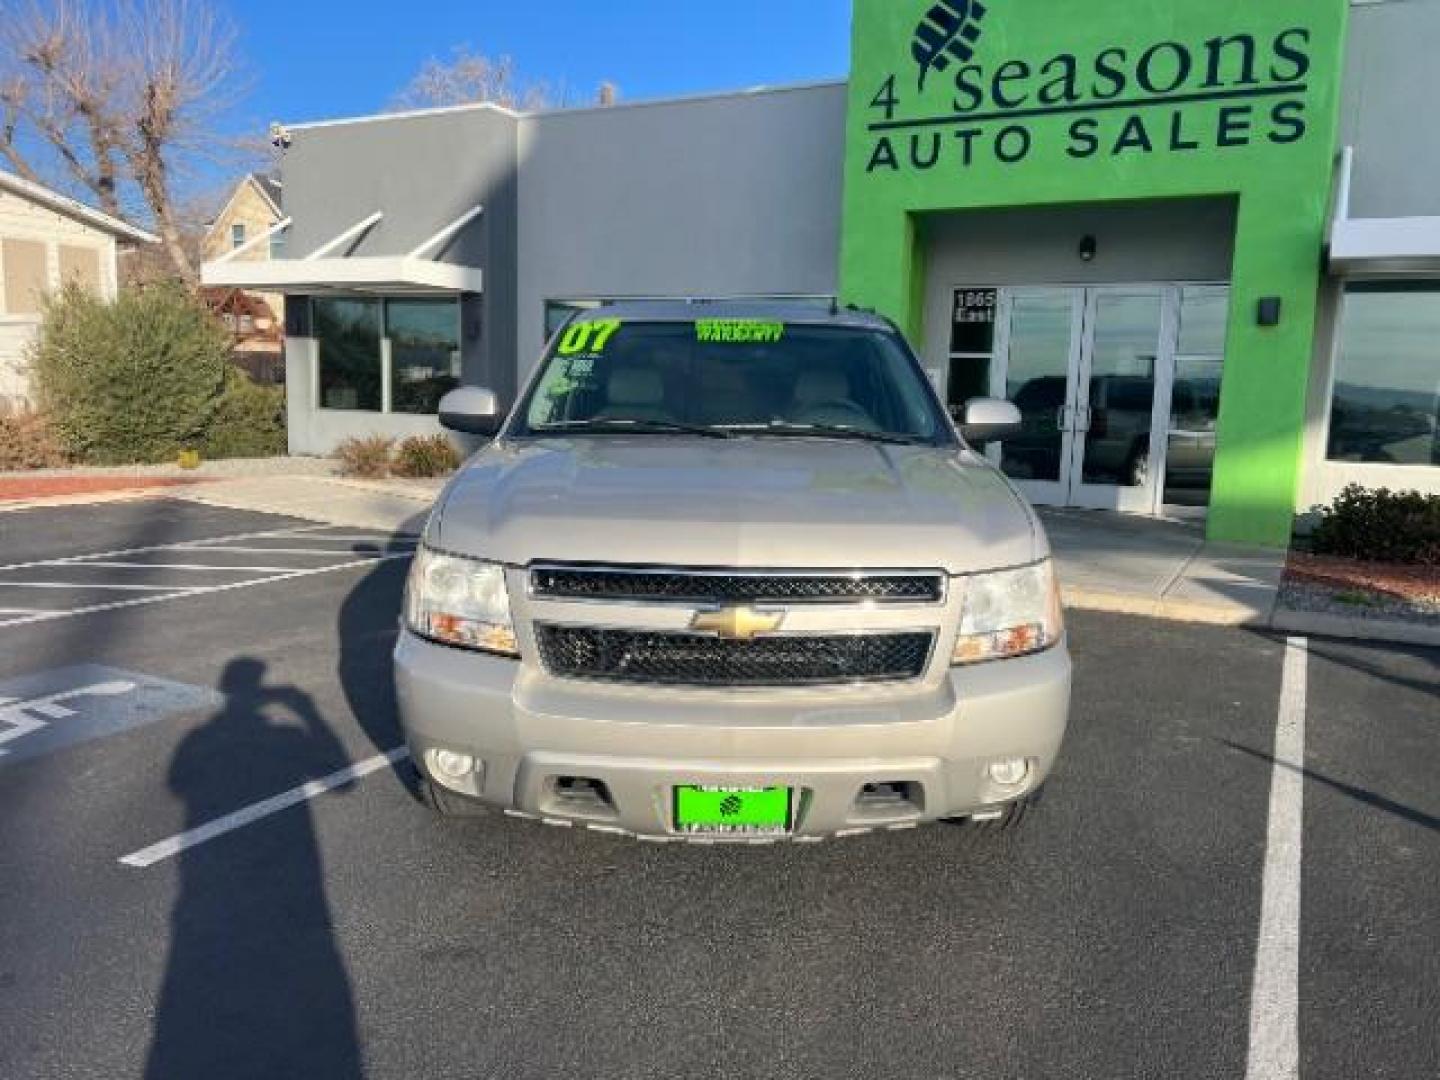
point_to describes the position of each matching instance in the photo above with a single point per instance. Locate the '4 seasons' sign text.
(1227, 91)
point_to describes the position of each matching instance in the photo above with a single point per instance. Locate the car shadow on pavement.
(1363, 657)
(1359, 794)
(367, 627)
(254, 984)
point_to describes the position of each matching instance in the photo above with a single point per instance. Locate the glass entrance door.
(1036, 354)
(1093, 372)
(1125, 363)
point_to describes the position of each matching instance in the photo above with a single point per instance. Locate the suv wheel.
(1010, 819)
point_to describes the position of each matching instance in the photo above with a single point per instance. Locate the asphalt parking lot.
(1182, 905)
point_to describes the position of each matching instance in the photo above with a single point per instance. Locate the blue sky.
(318, 59)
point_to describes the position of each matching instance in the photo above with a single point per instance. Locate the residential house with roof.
(244, 231)
(48, 240)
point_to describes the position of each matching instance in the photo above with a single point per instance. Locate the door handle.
(1083, 420)
(1062, 418)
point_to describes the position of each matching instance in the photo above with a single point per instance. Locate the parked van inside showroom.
(728, 571)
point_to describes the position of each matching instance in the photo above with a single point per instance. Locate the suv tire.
(1009, 821)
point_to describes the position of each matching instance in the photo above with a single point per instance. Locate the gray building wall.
(424, 171)
(718, 196)
(1392, 83)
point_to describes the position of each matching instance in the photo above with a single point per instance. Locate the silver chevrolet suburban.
(728, 572)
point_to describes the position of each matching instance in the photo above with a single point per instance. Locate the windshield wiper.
(621, 425)
(826, 431)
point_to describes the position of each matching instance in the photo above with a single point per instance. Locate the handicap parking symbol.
(51, 710)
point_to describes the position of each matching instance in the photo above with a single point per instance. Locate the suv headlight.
(459, 602)
(1009, 613)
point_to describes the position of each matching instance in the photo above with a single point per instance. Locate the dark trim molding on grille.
(680, 659)
(654, 584)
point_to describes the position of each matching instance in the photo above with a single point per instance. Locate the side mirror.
(989, 420)
(471, 410)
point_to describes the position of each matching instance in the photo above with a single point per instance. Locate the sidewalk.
(1163, 569)
(1168, 570)
(79, 485)
(389, 505)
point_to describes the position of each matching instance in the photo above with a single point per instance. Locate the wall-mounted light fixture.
(1089, 247)
(1268, 311)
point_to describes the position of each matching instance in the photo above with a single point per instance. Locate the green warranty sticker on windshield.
(739, 331)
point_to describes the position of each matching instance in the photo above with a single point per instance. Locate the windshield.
(738, 377)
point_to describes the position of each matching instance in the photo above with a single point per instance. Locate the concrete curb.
(48, 502)
(1389, 631)
(1316, 624)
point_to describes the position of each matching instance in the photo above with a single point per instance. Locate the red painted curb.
(15, 489)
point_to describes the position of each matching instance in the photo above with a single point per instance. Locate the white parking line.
(370, 538)
(293, 531)
(288, 551)
(191, 591)
(96, 586)
(248, 815)
(186, 566)
(1275, 997)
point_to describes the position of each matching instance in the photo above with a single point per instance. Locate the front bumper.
(930, 744)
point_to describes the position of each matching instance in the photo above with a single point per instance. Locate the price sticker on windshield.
(739, 331)
(588, 338)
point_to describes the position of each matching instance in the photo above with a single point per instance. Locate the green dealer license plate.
(728, 811)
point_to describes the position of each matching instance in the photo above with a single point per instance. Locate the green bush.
(249, 420)
(420, 457)
(136, 380)
(1381, 525)
(367, 457)
(26, 442)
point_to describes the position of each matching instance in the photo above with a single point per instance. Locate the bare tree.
(123, 96)
(470, 77)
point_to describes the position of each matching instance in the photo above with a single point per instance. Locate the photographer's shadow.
(254, 984)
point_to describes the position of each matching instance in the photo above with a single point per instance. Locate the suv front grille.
(703, 587)
(697, 660)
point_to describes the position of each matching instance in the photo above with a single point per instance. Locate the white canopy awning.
(1386, 246)
(377, 274)
(322, 272)
(1360, 246)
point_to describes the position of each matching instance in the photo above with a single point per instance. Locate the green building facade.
(960, 107)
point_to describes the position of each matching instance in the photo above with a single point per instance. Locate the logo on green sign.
(1231, 90)
(948, 33)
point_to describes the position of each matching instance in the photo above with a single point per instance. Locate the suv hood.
(772, 502)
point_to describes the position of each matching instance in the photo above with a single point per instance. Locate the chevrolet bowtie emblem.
(737, 623)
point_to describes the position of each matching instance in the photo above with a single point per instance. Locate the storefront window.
(424, 353)
(972, 346)
(1195, 401)
(348, 332)
(1386, 403)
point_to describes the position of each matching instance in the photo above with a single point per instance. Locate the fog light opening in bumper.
(1010, 773)
(455, 770)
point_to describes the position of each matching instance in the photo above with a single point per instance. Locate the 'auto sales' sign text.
(1167, 97)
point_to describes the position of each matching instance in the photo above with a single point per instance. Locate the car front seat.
(635, 393)
(822, 397)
